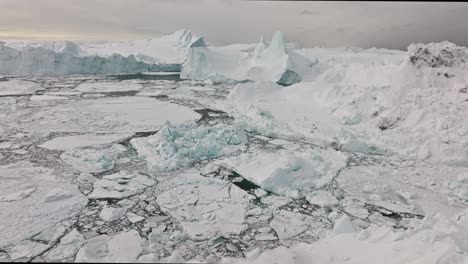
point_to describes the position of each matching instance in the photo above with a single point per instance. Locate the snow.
(177, 146)
(82, 141)
(286, 173)
(51, 201)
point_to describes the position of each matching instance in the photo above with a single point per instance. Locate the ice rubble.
(176, 146)
(287, 173)
(66, 57)
(44, 201)
(273, 63)
(436, 240)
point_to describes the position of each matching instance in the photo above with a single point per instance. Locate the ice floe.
(93, 160)
(81, 141)
(123, 247)
(18, 87)
(109, 115)
(51, 201)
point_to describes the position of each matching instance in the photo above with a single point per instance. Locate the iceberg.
(267, 63)
(164, 54)
(277, 64)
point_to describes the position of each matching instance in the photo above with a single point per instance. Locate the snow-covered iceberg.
(442, 54)
(269, 63)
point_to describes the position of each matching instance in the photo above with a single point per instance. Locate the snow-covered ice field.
(252, 153)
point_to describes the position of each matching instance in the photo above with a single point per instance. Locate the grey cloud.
(309, 13)
(334, 24)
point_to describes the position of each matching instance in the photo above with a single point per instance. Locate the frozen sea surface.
(174, 170)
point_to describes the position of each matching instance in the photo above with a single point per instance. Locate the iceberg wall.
(42, 61)
(166, 53)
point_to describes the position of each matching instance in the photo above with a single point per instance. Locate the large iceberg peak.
(278, 42)
(259, 49)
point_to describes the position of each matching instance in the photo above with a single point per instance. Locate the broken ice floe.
(292, 175)
(120, 185)
(67, 247)
(205, 207)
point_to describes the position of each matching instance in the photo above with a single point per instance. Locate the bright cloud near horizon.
(331, 24)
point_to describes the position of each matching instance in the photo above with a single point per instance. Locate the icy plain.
(267, 153)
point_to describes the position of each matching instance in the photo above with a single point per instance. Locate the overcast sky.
(332, 24)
